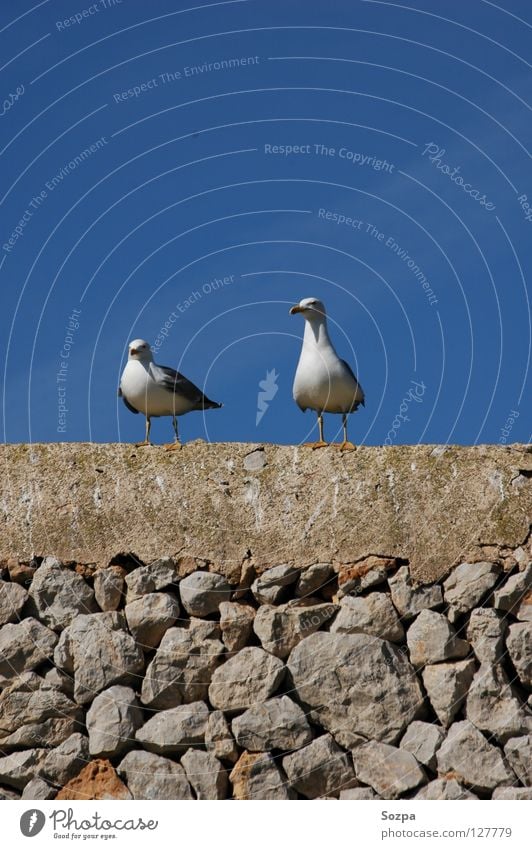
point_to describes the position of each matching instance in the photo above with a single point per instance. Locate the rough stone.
(100, 636)
(314, 579)
(281, 628)
(521, 793)
(33, 713)
(6, 794)
(320, 769)
(55, 677)
(21, 572)
(174, 730)
(524, 611)
(373, 614)
(206, 774)
(431, 639)
(59, 595)
(247, 678)
(139, 582)
(13, 597)
(468, 583)
(409, 598)
(467, 755)
(38, 789)
(256, 776)
(275, 724)
(150, 616)
(218, 738)
(447, 685)
(23, 646)
(112, 720)
(270, 587)
(390, 771)
(202, 592)
(510, 596)
(356, 685)
(364, 574)
(64, 762)
(518, 753)
(485, 632)
(236, 623)
(443, 788)
(97, 780)
(519, 644)
(183, 667)
(150, 776)
(423, 739)
(18, 768)
(492, 707)
(362, 794)
(109, 587)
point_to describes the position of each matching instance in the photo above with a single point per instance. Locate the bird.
(155, 390)
(323, 382)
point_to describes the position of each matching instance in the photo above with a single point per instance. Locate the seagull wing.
(353, 375)
(126, 402)
(176, 383)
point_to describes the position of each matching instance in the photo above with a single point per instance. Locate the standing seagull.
(158, 390)
(323, 381)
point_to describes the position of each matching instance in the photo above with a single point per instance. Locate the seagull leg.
(321, 442)
(147, 440)
(176, 445)
(345, 445)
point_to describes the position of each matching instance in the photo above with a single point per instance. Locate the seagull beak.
(294, 309)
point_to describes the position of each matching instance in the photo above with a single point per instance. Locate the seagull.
(154, 390)
(323, 381)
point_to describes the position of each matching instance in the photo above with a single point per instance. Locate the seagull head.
(311, 308)
(140, 350)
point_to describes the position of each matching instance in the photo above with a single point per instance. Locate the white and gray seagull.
(154, 390)
(323, 382)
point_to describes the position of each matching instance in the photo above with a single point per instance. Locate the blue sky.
(218, 162)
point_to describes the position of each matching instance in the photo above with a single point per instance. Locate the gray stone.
(362, 794)
(256, 776)
(473, 761)
(320, 769)
(409, 598)
(314, 579)
(33, 713)
(165, 572)
(356, 685)
(139, 582)
(275, 724)
(255, 460)
(218, 738)
(468, 583)
(524, 611)
(281, 628)
(13, 597)
(67, 760)
(390, 771)
(174, 730)
(18, 768)
(510, 596)
(518, 753)
(423, 739)
(447, 685)
(236, 623)
(519, 644)
(431, 639)
(521, 793)
(59, 595)
(182, 669)
(6, 794)
(38, 789)
(102, 636)
(23, 646)
(364, 574)
(60, 680)
(112, 720)
(109, 587)
(492, 707)
(206, 774)
(269, 588)
(202, 592)
(485, 632)
(150, 776)
(250, 676)
(445, 788)
(373, 614)
(150, 616)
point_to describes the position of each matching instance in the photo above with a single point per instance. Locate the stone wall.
(265, 622)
